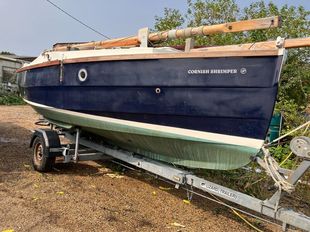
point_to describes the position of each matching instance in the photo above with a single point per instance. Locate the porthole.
(82, 75)
(157, 90)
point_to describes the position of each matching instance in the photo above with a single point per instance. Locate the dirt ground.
(92, 196)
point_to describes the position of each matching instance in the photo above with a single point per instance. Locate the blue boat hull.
(234, 104)
(231, 96)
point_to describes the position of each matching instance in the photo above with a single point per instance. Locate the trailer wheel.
(41, 161)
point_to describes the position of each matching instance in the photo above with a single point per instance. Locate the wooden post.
(189, 44)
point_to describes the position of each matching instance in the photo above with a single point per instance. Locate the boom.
(246, 25)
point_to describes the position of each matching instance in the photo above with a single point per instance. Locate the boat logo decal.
(243, 71)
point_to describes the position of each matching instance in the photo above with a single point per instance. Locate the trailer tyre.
(41, 161)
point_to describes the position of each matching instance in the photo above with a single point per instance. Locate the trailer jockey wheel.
(300, 146)
(41, 159)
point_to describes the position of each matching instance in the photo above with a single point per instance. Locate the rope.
(291, 153)
(287, 157)
(246, 221)
(231, 207)
(76, 19)
(239, 215)
(273, 170)
(216, 200)
(307, 124)
(255, 41)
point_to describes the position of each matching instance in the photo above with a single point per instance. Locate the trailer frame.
(179, 177)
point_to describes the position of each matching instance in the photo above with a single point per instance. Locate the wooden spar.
(246, 25)
(238, 26)
(120, 42)
(287, 43)
(297, 43)
(268, 48)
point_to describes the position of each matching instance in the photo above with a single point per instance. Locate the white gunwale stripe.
(215, 137)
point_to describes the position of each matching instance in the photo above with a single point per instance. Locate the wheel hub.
(39, 152)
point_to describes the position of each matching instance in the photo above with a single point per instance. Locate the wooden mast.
(156, 37)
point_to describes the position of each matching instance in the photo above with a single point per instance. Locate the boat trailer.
(46, 147)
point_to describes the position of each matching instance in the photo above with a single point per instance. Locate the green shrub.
(8, 98)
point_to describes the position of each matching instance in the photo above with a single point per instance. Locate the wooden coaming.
(41, 65)
(181, 55)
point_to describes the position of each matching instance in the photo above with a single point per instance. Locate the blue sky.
(29, 27)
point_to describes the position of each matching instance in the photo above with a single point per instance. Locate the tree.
(172, 19)
(6, 53)
(295, 77)
(213, 12)
(294, 91)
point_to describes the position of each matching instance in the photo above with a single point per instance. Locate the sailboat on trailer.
(200, 107)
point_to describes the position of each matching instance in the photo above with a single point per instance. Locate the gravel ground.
(92, 196)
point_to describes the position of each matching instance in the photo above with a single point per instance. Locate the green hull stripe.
(167, 147)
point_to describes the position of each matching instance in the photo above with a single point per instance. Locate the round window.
(82, 75)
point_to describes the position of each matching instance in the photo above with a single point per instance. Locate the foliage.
(6, 53)
(280, 153)
(10, 98)
(213, 12)
(293, 115)
(295, 82)
(295, 78)
(294, 90)
(172, 19)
